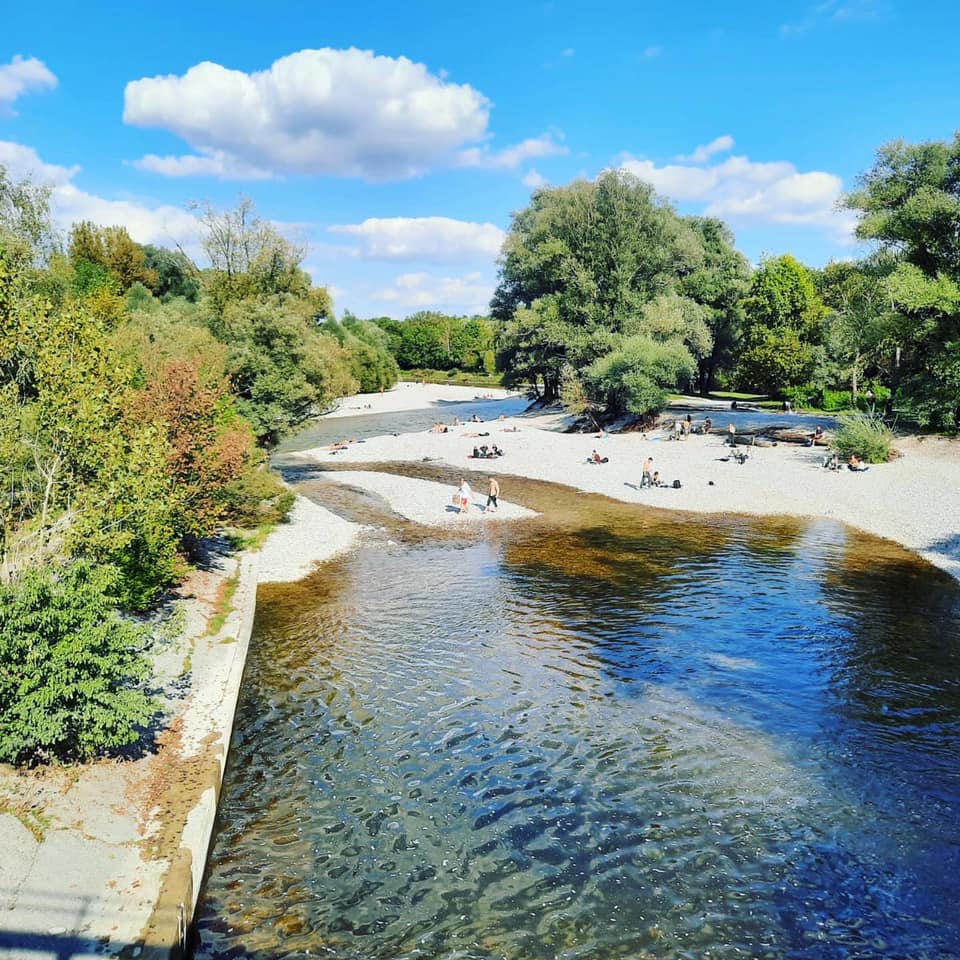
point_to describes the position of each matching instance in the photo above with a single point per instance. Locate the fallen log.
(796, 435)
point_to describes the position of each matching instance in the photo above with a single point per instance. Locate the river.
(609, 732)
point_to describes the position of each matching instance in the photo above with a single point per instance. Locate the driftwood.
(797, 435)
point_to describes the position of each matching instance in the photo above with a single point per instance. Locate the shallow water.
(609, 733)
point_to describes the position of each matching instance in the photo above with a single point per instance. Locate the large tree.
(909, 203)
(783, 323)
(580, 269)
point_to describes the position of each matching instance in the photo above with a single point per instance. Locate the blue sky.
(395, 140)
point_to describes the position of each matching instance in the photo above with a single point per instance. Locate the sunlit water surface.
(613, 735)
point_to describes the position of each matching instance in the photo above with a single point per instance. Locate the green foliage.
(779, 358)
(909, 202)
(636, 377)
(783, 324)
(865, 436)
(589, 267)
(72, 670)
(177, 275)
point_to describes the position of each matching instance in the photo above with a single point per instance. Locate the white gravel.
(413, 396)
(424, 501)
(914, 501)
(311, 535)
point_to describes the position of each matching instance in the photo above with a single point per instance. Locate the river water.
(606, 733)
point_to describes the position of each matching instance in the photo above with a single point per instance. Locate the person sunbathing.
(856, 464)
(596, 458)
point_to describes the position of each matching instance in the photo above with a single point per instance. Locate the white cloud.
(340, 112)
(215, 164)
(437, 239)
(469, 294)
(745, 191)
(707, 150)
(21, 75)
(511, 157)
(534, 180)
(163, 224)
(650, 53)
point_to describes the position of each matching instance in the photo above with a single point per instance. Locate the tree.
(718, 285)
(592, 271)
(860, 325)
(113, 250)
(909, 204)
(177, 275)
(783, 322)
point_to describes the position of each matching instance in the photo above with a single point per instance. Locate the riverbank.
(108, 857)
(914, 501)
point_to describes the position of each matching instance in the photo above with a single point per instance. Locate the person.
(816, 437)
(787, 406)
(456, 421)
(495, 451)
(476, 419)
(732, 434)
(707, 425)
(677, 430)
(465, 494)
(647, 479)
(476, 453)
(655, 480)
(596, 458)
(687, 427)
(493, 494)
(831, 461)
(856, 464)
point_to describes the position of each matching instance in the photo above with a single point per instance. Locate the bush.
(806, 395)
(833, 400)
(71, 669)
(868, 437)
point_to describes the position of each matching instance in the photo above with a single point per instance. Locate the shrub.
(836, 400)
(805, 395)
(868, 437)
(71, 669)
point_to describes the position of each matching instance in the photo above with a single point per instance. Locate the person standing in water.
(492, 495)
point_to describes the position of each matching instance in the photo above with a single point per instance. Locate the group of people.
(485, 452)
(464, 494)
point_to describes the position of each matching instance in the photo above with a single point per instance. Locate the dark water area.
(363, 426)
(606, 733)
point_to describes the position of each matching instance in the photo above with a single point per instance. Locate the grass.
(223, 605)
(252, 539)
(36, 821)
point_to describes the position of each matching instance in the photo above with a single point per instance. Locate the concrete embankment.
(108, 858)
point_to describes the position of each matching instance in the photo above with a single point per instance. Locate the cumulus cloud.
(339, 112)
(707, 150)
(469, 294)
(511, 157)
(69, 204)
(534, 180)
(437, 239)
(215, 164)
(23, 75)
(750, 192)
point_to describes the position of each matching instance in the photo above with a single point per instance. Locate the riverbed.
(605, 732)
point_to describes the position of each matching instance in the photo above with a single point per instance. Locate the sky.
(394, 141)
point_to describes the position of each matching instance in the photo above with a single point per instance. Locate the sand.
(914, 500)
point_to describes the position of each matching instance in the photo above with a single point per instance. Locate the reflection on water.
(606, 735)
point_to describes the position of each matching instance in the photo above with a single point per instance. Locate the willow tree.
(585, 270)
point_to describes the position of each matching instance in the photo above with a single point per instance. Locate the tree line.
(607, 297)
(138, 397)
